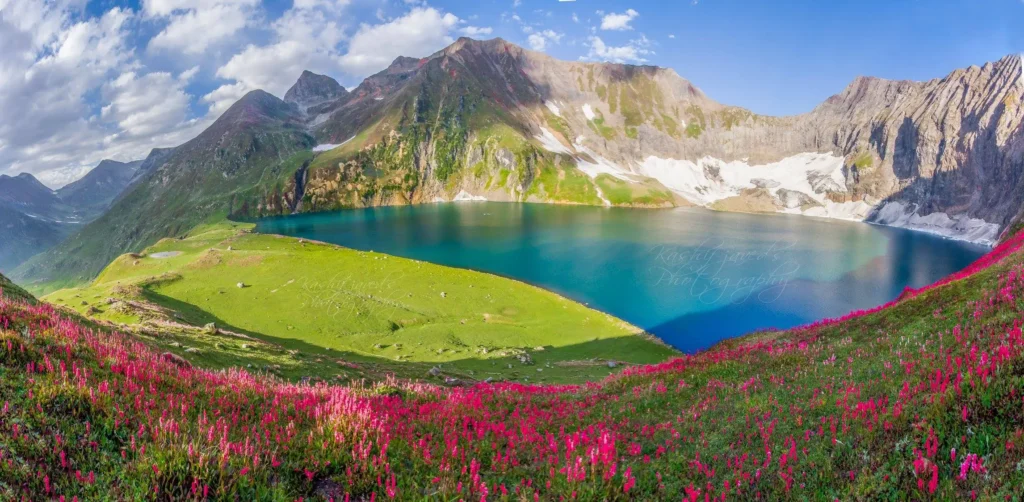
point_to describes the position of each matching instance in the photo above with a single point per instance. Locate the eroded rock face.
(491, 119)
(312, 89)
(953, 145)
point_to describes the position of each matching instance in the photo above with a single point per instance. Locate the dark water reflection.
(690, 276)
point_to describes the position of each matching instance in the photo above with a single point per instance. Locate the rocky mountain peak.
(23, 182)
(312, 89)
(255, 107)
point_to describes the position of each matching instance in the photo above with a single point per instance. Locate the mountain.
(312, 89)
(491, 120)
(97, 189)
(253, 144)
(34, 218)
(26, 194)
(10, 290)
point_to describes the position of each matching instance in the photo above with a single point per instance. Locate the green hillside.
(918, 400)
(325, 301)
(201, 181)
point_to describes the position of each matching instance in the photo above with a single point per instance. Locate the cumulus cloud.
(143, 105)
(306, 37)
(538, 41)
(419, 33)
(476, 32)
(51, 61)
(195, 25)
(78, 92)
(619, 22)
(633, 52)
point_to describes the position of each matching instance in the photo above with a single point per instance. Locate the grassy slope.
(918, 401)
(327, 301)
(202, 181)
(11, 290)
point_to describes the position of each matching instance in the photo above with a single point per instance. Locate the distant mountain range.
(34, 218)
(491, 120)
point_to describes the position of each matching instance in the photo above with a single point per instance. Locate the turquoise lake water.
(690, 276)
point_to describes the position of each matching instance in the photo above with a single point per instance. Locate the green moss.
(564, 185)
(646, 193)
(632, 132)
(694, 130)
(670, 125)
(630, 107)
(558, 124)
(597, 125)
(864, 160)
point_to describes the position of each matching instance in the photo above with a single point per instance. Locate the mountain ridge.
(489, 119)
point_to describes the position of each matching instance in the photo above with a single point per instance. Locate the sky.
(86, 80)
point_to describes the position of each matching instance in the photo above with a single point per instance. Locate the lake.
(690, 276)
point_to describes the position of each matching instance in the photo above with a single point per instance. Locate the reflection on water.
(690, 276)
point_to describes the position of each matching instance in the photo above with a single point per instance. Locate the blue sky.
(83, 80)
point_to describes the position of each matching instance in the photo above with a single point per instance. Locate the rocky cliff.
(491, 120)
(488, 119)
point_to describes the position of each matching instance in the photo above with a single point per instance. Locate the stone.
(175, 360)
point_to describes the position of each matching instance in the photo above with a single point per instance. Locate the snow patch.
(850, 211)
(588, 112)
(550, 142)
(465, 196)
(709, 180)
(330, 146)
(594, 165)
(554, 108)
(959, 227)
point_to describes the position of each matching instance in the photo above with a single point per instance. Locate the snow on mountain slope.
(959, 227)
(710, 180)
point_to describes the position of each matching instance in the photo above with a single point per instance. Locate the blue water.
(690, 276)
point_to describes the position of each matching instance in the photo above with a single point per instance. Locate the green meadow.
(308, 309)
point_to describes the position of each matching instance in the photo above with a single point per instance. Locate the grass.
(563, 185)
(646, 193)
(919, 400)
(331, 302)
(11, 290)
(864, 161)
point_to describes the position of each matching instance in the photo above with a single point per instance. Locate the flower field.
(922, 399)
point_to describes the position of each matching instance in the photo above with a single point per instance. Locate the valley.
(477, 271)
(490, 120)
(335, 307)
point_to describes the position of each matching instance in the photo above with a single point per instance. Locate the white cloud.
(194, 30)
(164, 8)
(618, 22)
(77, 88)
(221, 98)
(633, 52)
(476, 32)
(538, 41)
(146, 105)
(419, 33)
(306, 37)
